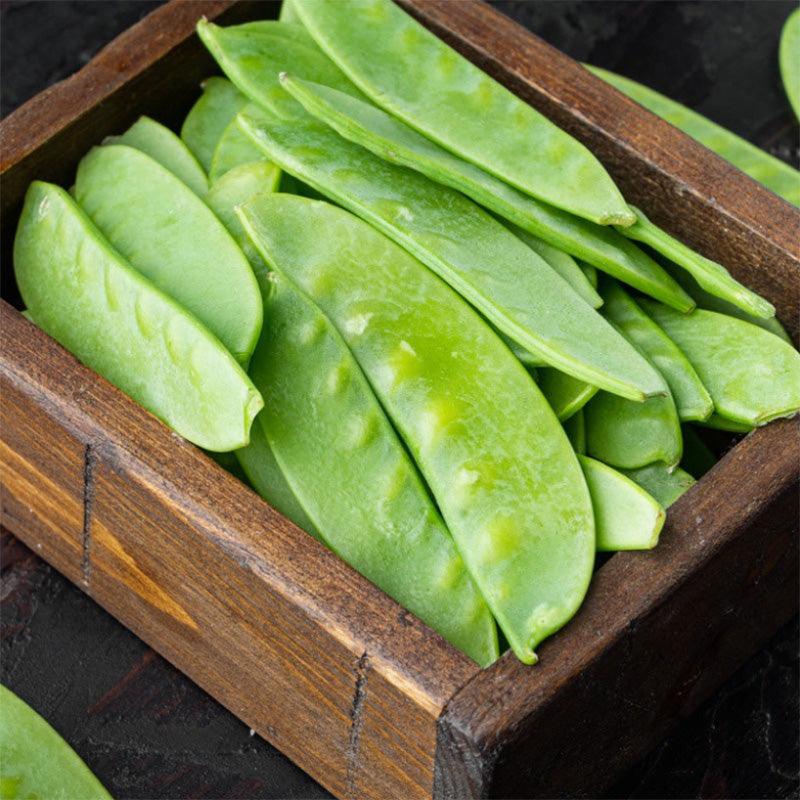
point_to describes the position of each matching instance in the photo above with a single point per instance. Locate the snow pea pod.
(565, 394)
(751, 375)
(169, 234)
(789, 58)
(575, 428)
(762, 167)
(161, 144)
(591, 274)
(720, 423)
(205, 123)
(115, 321)
(351, 474)
(415, 76)
(511, 285)
(626, 517)
(513, 496)
(233, 149)
(287, 13)
(691, 398)
(36, 761)
(394, 141)
(663, 484)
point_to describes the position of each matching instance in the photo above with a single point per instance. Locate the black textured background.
(143, 727)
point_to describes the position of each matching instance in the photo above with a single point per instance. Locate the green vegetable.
(351, 474)
(625, 516)
(396, 142)
(36, 761)
(566, 394)
(489, 266)
(575, 428)
(591, 274)
(513, 495)
(287, 12)
(414, 75)
(116, 322)
(169, 234)
(233, 149)
(720, 423)
(768, 170)
(789, 56)
(664, 484)
(751, 375)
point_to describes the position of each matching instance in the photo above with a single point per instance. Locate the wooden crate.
(350, 686)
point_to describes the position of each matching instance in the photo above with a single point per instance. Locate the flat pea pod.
(752, 376)
(115, 321)
(626, 517)
(351, 474)
(762, 167)
(575, 428)
(161, 144)
(415, 76)
(665, 485)
(287, 12)
(566, 394)
(719, 423)
(513, 496)
(692, 400)
(36, 761)
(789, 59)
(233, 149)
(713, 277)
(394, 141)
(481, 259)
(170, 235)
(205, 123)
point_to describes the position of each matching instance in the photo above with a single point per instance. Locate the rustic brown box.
(345, 682)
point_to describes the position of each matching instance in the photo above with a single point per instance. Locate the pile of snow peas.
(416, 316)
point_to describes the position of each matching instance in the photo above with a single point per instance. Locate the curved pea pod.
(626, 517)
(566, 394)
(116, 322)
(287, 12)
(692, 400)
(234, 149)
(665, 485)
(513, 496)
(173, 238)
(789, 59)
(712, 277)
(415, 76)
(753, 377)
(394, 141)
(591, 274)
(762, 167)
(205, 123)
(575, 428)
(37, 762)
(352, 476)
(480, 258)
(719, 423)
(162, 145)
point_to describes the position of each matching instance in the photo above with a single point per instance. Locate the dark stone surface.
(144, 728)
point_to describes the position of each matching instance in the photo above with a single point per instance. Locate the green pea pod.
(575, 428)
(762, 167)
(205, 123)
(719, 423)
(713, 277)
(328, 431)
(753, 377)
(513, 496)
(36, 761)
(664, 484)
(789, 57)
(626, 517)
(161, 144)
(591, 274)
(233, 149)
(287, 13)
(504, 279)
(169, 234)
(116, 322)
(697, 458)
(415, 76)
(692, 400)
(566, 394)
(394, 141)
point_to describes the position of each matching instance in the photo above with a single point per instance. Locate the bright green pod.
(691, 398)
(411, 73)
(480, 258)
(36, 761)
(566, 394)
(665, 485)
(287, 13)
(115, 321)
(590, 272)
(234, 149)
(162, 145)
(789, 59)
(626, 517)
(752, 376)
(719, 423)
(575, 428)
(762, 167)
(205, 123)
(513, 496)
(349, 471)
(394, 141)
(172, 237)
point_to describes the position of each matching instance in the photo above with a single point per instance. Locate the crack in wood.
(89, 459)
(356, 724)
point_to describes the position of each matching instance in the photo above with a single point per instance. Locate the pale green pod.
(161, 144)
(205, 123)
(752, 376)
(479, 257)
(720, 423)
(287, 12)
(789, 59)
(172, 237)
(664, 484)
(590, 272)
(575, 428)
(394, 141)
(565, 394)
(626, 517)
(352, 476)
(115, 321)
(513, 496)
(233, 149)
